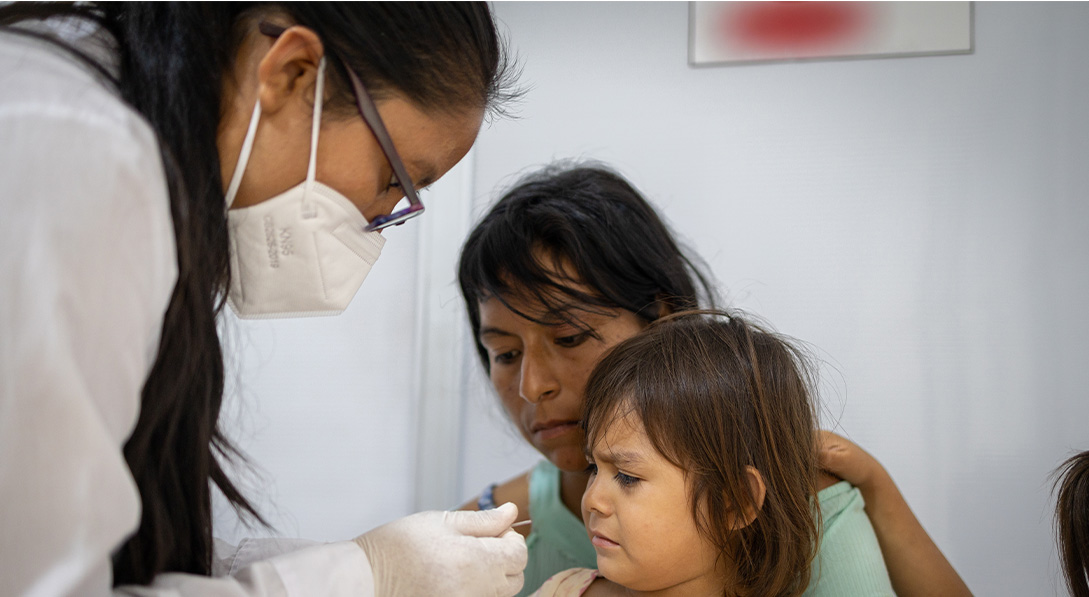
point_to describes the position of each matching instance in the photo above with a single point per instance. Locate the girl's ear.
(757, 490)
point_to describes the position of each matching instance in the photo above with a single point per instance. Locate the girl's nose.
(593, 499)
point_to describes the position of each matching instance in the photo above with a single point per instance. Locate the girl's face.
(637, 510)
(540, 371)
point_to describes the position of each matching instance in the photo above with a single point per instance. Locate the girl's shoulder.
(573, 583)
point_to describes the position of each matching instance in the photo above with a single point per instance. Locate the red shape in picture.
(801, 27)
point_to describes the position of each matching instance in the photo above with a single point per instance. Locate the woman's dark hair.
(172, 60)
(1072, 522)
(717, 394)
(591, 222)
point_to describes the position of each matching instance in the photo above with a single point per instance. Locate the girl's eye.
(626, 480)
(591, 469)
(506, 358)
(574, 339)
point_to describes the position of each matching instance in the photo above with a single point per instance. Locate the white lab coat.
(87, 266)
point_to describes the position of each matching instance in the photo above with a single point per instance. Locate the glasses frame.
(369, 111)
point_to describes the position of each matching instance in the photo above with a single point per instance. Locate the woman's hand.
(846, 460)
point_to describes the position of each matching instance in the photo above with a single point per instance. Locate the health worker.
(126, 132)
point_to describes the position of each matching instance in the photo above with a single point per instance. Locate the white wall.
(924, 222)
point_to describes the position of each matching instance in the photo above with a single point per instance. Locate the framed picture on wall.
(752, 32)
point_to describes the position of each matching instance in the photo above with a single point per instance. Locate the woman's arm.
(916, 565)
(514, 490)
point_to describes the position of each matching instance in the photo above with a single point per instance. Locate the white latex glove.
(471, 554)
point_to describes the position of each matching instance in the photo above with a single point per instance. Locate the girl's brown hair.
(1072, 522)
(717, 394)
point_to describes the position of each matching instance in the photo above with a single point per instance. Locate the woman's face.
(349, 158)
(351, 161)
(540, 371)
(281, 72)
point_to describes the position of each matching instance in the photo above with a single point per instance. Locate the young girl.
(701, 434)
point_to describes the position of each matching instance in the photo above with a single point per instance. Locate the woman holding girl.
(567, 264)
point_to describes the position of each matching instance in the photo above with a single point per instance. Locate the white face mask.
(302, 252)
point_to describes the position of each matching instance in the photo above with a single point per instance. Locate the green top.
(558, 540)
(849, 562)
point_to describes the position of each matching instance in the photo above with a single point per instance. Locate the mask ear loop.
(251, 134)
(308, 210)
(244, 155)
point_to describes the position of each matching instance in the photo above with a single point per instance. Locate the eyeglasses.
(369, 112)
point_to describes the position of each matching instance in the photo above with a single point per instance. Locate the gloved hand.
(471, 554)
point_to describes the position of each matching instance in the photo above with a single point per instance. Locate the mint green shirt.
(558, 540)
(848, 564)
(849, 561)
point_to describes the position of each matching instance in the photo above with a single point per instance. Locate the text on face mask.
(277, 244)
